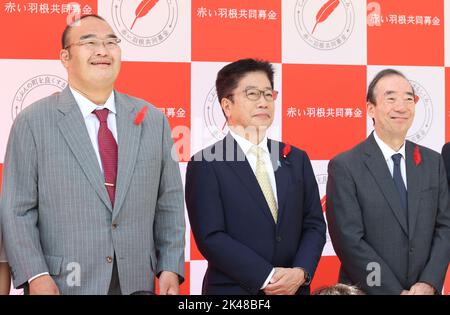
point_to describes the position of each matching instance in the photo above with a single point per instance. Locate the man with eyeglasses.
(254, 207)
(92, 201)
(388, 203)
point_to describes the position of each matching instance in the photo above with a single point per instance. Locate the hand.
(421, 288)
(43, 285)
(168, 283)
(285, 281)
(5, 279)
(405, 292)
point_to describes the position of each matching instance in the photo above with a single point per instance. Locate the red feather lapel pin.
(417, 156)
(143, 9)
(140, 116)
(325, 12)
(286, 150)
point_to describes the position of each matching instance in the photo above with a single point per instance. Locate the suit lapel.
(282, 175)
(73, 129)
(129, 136)
(377, 166)
(414, 180)
(243, 170)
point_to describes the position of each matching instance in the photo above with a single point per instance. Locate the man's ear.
(225, 103)
(64, 56)
(370, 109)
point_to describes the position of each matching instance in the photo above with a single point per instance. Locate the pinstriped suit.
(56, 209)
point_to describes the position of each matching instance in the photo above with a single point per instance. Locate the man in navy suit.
(253, 203)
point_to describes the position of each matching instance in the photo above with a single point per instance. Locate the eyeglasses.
(394, 100)
(254, 94)
(92, 44)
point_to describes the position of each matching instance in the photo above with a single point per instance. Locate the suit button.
(109, 259)
(411, 249)
(114, 226)
(278, 238)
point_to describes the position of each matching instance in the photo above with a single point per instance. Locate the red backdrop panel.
(401, 40)
(220, 36)
(326, 273)
(323, 108)
(36, 29)
(167, 86)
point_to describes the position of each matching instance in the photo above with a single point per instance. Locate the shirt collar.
(247, 145)
(387, 151)
(87, 107)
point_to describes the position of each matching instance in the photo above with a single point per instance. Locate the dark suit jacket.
(368, 225)
(446, 157)
(232, 223)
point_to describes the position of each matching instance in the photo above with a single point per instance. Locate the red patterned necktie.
(108, 152)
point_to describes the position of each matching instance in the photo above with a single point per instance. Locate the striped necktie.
(107, 147)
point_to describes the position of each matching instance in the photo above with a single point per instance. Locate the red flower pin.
(286, 150)
(416, 156)
(140, 116)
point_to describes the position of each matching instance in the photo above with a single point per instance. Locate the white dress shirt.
(245, 146)
(92, 126)
(388, 152)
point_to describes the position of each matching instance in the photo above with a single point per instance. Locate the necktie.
(398, 180)
(264, 181)
(107, 147)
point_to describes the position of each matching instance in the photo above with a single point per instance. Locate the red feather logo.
(140, 116)
(286, 150)
(417, 156)
(143, 9)
(325, 12)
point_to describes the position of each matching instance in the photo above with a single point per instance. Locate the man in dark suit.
(254, 203)
(388, 203)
